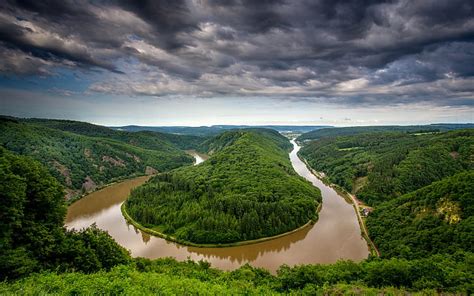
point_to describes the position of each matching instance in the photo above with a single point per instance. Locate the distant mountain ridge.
(216, 129)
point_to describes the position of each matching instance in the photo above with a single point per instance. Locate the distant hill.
(83, 156)
(216, 129)
(438, 218)
(383, 165)
(354, 130)
(246, 190)
(145, 139)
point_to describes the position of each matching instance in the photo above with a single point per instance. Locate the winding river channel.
(336, 235)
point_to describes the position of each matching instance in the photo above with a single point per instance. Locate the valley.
(247, 204)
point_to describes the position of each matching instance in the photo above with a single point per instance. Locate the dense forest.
(429, 276)
(38, 256)
(381, 166)
(421, 185)
(438, 218)
(355, 130)
(246, 190)
(32, 236)
(83, 156)
(144, 139)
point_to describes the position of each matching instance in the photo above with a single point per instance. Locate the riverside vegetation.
(425, 238)
(246, 190)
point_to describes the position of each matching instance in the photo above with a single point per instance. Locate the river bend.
(336, 235)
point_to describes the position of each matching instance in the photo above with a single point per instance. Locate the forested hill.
(145, 139)
(81, 162)
(246, 190)
(228, 138)
(381, 166)
(438, 218)
(355, 130)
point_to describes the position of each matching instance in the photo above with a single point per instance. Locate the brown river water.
(336, 235)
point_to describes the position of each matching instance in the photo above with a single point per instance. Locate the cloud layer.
(342, 52)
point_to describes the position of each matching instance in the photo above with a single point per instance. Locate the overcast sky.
(238, 62)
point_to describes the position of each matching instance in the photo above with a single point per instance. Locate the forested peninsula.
(246, 190)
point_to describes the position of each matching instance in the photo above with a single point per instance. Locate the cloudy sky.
(202, 62)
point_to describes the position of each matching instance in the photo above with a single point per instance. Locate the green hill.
(381, 166)
(82, 162)
(246, 190)
(145, 139)
(438, 218)
(355, 130)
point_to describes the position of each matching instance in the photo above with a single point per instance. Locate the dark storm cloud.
(360, 51)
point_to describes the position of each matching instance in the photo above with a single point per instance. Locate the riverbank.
(130, 220)
(103, 186)
(352, 200)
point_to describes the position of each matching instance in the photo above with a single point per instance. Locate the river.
(336, 235)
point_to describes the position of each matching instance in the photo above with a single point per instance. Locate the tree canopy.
(32, 236)
(438, 218)
(381, 166)
(82, 156)
(246, 190)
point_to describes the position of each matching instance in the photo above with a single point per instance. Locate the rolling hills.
(83, 156)
(355, 130)
(383, 165)
(214, 130)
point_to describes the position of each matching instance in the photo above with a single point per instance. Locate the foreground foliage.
(246, 190)
(447, 274)
(32, 237)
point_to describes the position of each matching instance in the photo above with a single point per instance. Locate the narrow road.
(355, 202)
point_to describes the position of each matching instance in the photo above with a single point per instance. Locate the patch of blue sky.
(72, 80)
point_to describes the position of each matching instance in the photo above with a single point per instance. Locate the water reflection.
(335, 236)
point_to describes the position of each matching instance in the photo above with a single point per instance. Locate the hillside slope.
(381, 166)
(356, 130)
(246, 190)
(434, 219)
(145, 139)
(81, 162)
